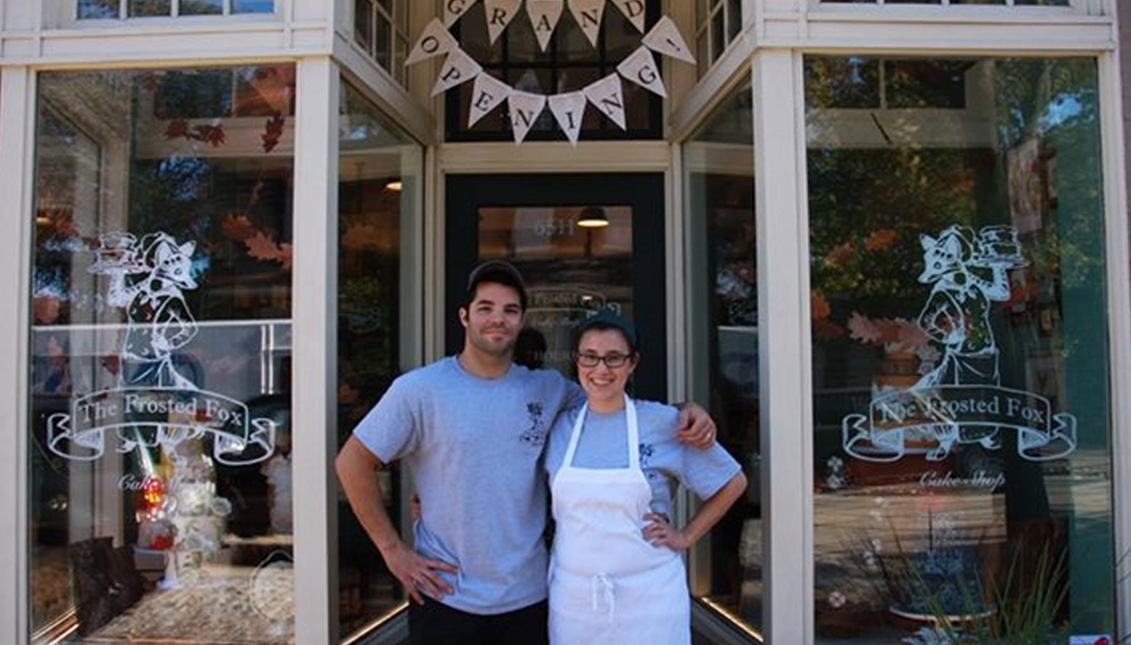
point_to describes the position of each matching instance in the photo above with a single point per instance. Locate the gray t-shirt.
(474, 447)
(665, 461)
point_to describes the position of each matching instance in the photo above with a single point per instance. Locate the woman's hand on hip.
(660, 532)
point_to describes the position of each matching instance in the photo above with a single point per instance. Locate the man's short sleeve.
(392, 429)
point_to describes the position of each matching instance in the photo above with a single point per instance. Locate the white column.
(1118, 279)
(17, 96)
(315, 352)
(783, 346)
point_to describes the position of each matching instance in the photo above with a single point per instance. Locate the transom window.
(380, 27)
(121, 9)
(717, 24)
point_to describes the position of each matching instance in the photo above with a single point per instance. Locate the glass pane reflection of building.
(160, 493)
(726, 567)
(960, 361)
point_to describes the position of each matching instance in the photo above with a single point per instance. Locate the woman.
(616, 575)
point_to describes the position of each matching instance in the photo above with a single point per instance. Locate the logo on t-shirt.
(646, 452)
(535, 435)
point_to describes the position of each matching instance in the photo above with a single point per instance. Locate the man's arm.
(696, 428)
(357, 471)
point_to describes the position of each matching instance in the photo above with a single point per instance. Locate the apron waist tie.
(602, 586)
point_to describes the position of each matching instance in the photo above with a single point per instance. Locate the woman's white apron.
(607, 583)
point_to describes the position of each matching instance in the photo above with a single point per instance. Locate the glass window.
(380, 28)
(726, 567)
(962, 415)
(717, 25)
(103, 9)
(569, 63)
(379, 175)
(160, 493)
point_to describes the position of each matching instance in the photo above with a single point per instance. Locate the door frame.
(464, 194)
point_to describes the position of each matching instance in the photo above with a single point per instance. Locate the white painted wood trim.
(314, 377)
(383, 90)
(17, 136)
(781, 341)
(537, 156)
(434, 250)
(1118, 238)
(712, 89)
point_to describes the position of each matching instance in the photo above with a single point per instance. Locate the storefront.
(885, 243)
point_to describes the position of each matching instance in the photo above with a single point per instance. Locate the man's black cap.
(498, 272)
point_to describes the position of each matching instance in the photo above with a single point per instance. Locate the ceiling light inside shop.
(395, 185)
(593, 217)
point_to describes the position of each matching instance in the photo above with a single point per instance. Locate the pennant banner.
(458, 68)
(544, 16)
(633, 10)
(665, 39)
(608, 96)
(500, 13)
(435, 41)
(487, 94)
(454, 10)
(569, 110)
(588, 15)
(525, 109)
(641, 68)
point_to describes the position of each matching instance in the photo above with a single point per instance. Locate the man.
(472, 428)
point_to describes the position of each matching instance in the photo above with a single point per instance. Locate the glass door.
(583, 242)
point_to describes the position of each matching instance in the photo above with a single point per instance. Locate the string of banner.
(568, 108)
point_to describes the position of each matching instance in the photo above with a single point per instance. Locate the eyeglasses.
(611, 361)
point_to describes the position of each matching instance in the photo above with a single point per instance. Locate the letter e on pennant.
(486, 95)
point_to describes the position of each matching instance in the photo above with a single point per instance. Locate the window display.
(960, 362)
(160, 343)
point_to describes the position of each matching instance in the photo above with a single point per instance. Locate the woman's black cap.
(609, 319)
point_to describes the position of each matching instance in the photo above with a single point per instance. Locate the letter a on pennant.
(544, 16)
(588, 14)
(488, 93)
(634, 11)
(569, 109)
(435, 41)
(500, 13)
(641, 68)
(608, 96)
(454, 10)
(524, 108)
(458, 68)
(665, 39)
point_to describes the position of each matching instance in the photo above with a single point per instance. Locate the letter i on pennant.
(524, 109)
(500, 13)
(569, 109)
(544, 16)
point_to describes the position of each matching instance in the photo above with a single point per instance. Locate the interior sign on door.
(961, 400)
(156, 403)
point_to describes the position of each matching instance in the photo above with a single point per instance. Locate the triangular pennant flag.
(525, 108)
(544, 16)
(458, 68)
(454, 10)
(641, 68)
(608, 96)
(634, 11)
(435, 41)
(569, 110)
(665, 39)
(588, 14)
(488, 93)
(500, 13)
